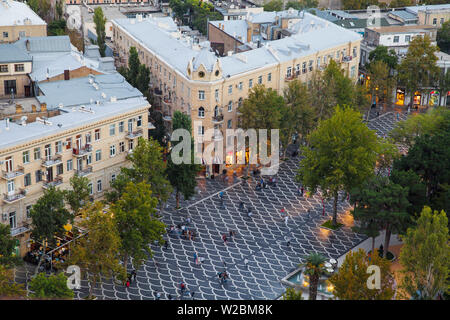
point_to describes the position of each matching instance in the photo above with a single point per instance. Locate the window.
(68, 143)
(89, 159)
(230, 89)
(130, 145)
(297, 69)
(324, 59)
(230, 124)
(88, 138)
(58, 146)
(269, 77)
(22, 34)
(113, 178)
(304, 67)
(407, 38)
(26, 157)
(99, 185)
(11, 187)
(38, 176)
(139, 121)
(3, 68)
(260, 80)
(19, 67)
(28, 211)
(201, 130)
(434, 21)
(216, 94)
(130, 125)
(396, 38)
(37, 153)
(12, 220)
(10, 86)
(112, 151)
(442, 21)
(337, 54)
(201, 112)
(91, 191)
(97, 134)
(69, 165)
(240, 85)
(112, 129)
(352, 72)
(250, 83)
(27, 180)
(59, 169)
(98, 155)
(319, 59)
(201, 95)
(355, 52)
(121, 126)
(289, 72)
(5, 34)
(121, 146)
(240, 102)
(310, 65)
(230, 106)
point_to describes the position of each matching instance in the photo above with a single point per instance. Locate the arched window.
(240, 102)
(201, 112)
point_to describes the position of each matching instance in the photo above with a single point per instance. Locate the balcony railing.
(166, 100)
(217, 119)
(347, 59)
(134, 134)
(16, 196)
(289, 77)
(19, 230)
(84, 172)
(51, 161)
(56, 182)
(84, 150)
(167, 117)
(9, 175)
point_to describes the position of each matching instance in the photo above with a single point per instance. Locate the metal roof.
(10, 53)
(18, 13)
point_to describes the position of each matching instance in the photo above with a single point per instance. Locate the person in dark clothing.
(133, 274)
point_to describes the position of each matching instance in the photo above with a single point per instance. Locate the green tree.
(273, 5)
(57, 27)
(298, 115)
(382, 53)
(182, 176)
(292, 294)
(133, 66)
(100, 20)
(341, 155)
(322, 91)
(419, 69)
(143, 79)
(301, 4)
(350, 281)
(50, 287)
(380, 203)
(135, 218)
(416, 189)
(8, 288)
(344, 89)
(314, 269)
(78, 195)
(148, 166)
(41, 7)
(358, 4)
(425, 256)
(96, 253)
(381, 83)
(8, 257)
(443, 37)
(59, 9)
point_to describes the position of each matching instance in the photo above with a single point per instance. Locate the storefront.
(434, 98)
(400, 97)
(417, 98)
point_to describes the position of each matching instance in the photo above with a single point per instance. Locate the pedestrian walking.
(232, 234)
(134, 274)
(302, 190)
(166, 244)
(249, 213)
(241, 205)
(246, 262)
(223, 262)
(286, 219)
(192, 295)
(182, 287)
(224, 238)
(169, 296)
(128, 283)
(157, 295)
(195, 258)
(188, 220)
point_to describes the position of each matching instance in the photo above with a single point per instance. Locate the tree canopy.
(50, 287)
(100, 20)
(7, 246)
(443, 37)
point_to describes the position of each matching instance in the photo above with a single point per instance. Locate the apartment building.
(17, 20)
(187, 76)
(96, 122)
(123, 2)
(431, 15)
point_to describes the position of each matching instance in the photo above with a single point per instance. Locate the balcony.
(167, 117)
(16, 196)
(19, 230)
(54, 183)
(157, 92)
(9, 175)
(134, 134)
(51, 161)
(167, 101)
(347, 59)
(289, 77)
(217, 119)
(217, 136)
(84, 150)
(84, 172)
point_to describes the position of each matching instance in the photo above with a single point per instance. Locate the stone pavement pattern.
(261, 239)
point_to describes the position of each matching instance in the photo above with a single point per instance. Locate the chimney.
(66, 75)
(19, 108)
(43, 107)
(223, 26)
(33, 108)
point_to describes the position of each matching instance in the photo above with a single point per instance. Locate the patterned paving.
(261, 239)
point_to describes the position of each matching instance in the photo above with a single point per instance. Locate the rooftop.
(235, 28)
(18, 13)
(404, 15)
(402, 29)
(359, 23)
(10, 53)
(78, 110)
(416, 9)
(309, 35)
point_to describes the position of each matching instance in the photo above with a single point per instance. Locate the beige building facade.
(90, 140)
(191, 79)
